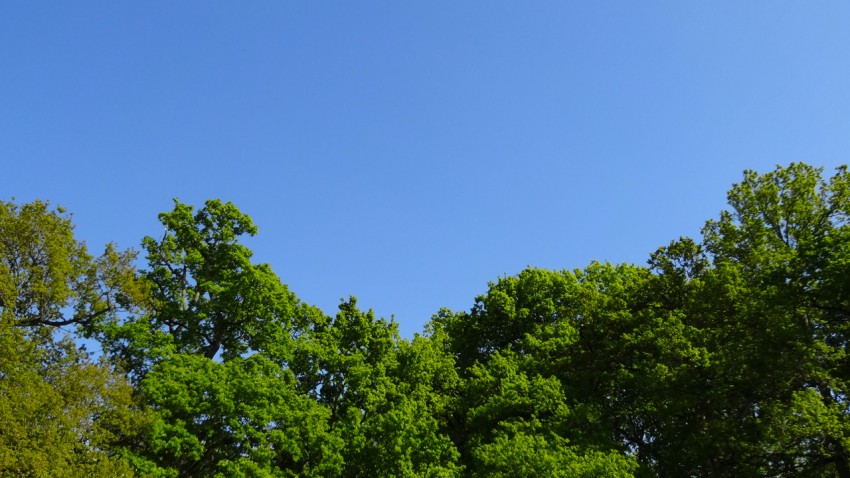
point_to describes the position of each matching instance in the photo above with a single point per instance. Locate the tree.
(724, 357)
(242, 417)
(519, 424)
(761, 301)
(385, 396)
(47, 277)
(207, 297)
(212, 356)
(541, 355)
(787, 239)
(62, 414)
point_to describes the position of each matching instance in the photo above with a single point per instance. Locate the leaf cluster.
(723, 356)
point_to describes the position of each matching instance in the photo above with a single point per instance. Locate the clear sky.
(409, 152)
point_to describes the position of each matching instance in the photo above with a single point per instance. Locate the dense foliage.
(725, 356)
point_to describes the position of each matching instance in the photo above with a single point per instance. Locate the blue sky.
(409, 152)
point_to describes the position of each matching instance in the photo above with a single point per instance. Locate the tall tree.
(47, 276)
(61, 414)
(213, 356)
(787, 238)
(387, 397)
(207, 297)
(541, 356)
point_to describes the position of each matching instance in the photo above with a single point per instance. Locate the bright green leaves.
(207, 297)
(213, 356)
(502, 396)
(779, 225)
(42, 262)
(522, 454)
(766, 303)
(512, 308)
(387, 398)
(358, 352)
(805, 427)
(518, 425)
(542, 353)
(725, 357)
(215, 417)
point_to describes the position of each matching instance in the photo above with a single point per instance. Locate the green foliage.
(519, 425)
(48, 278)
(522, 454)
(206, 296)
(61, 415)
(725, 358)
(786, 239)
(212, 355)
(240, 417)
(722, 357)
(384, 396)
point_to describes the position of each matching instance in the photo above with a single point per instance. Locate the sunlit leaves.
(62, 415)
(47, 277)
(723, 357)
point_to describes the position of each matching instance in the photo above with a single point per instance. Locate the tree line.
(722, 356)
